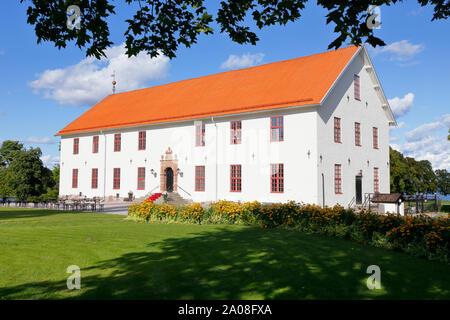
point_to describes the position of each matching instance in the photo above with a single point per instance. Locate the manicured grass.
(122, 259)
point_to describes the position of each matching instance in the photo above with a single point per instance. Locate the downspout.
(323, 191)
(104, 166)
(216, 169)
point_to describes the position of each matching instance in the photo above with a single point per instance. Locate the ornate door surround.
(169, 160)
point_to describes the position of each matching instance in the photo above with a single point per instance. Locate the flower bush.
(232, 212)
(421, 235)
(193, 213)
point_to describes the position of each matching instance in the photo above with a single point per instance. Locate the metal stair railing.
(184, 191)
(368, 200)
(352, 202)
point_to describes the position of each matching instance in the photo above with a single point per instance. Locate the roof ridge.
(234, 70)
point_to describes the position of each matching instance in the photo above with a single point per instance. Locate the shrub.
(193, 213)
(33, 199)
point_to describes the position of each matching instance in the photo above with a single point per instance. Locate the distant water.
(447, 197)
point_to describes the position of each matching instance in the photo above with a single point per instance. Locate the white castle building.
(313, 129)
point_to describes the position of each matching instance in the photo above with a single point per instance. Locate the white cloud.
(36, 140)
(89, 81)
(401, 106)
(423, 131)
(422, 144)
(49, 160)
(435, 149)
(401, 50)
(244, 61)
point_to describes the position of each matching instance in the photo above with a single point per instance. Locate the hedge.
(420, 235)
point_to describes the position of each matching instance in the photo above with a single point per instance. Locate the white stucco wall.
(353, 159)
(392, 208)
(255, 154)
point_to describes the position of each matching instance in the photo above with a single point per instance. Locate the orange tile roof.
(295, 82)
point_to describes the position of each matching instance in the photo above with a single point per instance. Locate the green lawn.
(122, 259)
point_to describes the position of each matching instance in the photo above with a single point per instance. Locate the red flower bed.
(154, 196)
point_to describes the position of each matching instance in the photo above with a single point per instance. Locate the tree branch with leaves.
(162, 26)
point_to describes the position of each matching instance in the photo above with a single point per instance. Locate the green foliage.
(4, 187)
(162, 26)
(56, 172)
(409, 175)
(7, 151)
(49, 195)
(33, 199)
(443, 181)
(24, 174)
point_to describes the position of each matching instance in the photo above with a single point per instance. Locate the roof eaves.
(265, 108)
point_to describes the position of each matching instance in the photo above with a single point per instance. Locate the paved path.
(116, 208)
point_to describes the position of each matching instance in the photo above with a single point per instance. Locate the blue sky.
(42, 89)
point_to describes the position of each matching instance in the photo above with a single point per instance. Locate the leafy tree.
(409, 175)
(4, 188)
(55, 172)
(162, 26)
(443, 181)
(400, 175)
(7, 151)
(427, 176)
(26, 175)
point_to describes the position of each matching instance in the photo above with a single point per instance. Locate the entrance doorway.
(169, 179)
(358, 187)
(169, 172)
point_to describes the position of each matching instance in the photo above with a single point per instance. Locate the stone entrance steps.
(174, 198)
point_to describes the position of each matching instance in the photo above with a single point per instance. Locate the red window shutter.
(235, 132)
(142, 143)
(337, 130)
(76, 145)
(199, 134)
(276, 129)
(200, 178)
(74, 178)
(357, 134)
(117, 142)
(235, 177)
(277, 178)
(94, 178)
(116, 178)
(95, 144)
(357, 87)
(141, 178)
(376, 182)
(337, 179)
(375, 138)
